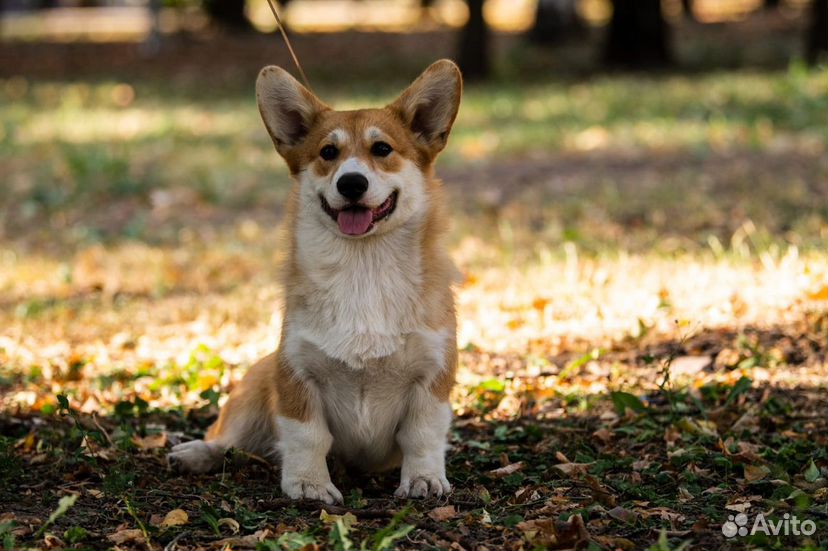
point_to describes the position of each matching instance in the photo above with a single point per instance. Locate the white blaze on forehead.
(352, 164)
(372, 133)
(338, 136)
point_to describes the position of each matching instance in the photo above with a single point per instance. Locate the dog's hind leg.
(247, 421)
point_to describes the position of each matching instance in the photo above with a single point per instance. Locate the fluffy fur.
(368, 350)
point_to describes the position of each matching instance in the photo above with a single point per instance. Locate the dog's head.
(361, 172)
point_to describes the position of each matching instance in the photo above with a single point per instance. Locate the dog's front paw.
(423, 486)
(317, 491)
(197, 456)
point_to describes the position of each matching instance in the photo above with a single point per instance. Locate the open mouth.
(359, 219)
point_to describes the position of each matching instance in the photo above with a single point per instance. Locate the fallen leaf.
(754, 473)
(572, 532)
(811, 473)
(738, 507)
(624, 515)
(151, 442)
(612, 542)
(51, 541)
(130, 535)
(538, 529)
(684, 495)
(742, 504)
(572, 469)
(506, 471)
(441, 514)
(176, 517)
(603, 435)
(601, 493)
(641, 464)
(485, 517)
(242, 542)
(348, 519)
(230, 523)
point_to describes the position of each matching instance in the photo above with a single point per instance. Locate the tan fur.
(416, 126)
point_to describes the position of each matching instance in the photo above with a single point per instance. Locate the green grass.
(70, 148)
(76, 133)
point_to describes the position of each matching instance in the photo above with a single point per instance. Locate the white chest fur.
(360, 296)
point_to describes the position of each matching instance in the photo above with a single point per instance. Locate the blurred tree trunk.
(687, 8)
(228, 14)
(473, 56)
(638, 36)
(817, 41)
(555, 22)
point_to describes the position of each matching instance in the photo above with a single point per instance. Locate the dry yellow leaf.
(176, 517)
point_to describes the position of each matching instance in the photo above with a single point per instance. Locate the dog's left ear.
(429, 105)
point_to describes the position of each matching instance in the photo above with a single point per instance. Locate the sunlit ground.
(140, 226)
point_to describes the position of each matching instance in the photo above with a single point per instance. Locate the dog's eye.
(329, 152)
(381, 149)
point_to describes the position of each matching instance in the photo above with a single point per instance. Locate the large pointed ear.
(288, 109)
(428, 107)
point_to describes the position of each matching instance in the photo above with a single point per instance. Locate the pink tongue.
(354, 221)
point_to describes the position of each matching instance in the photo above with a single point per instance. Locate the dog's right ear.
(288, 109)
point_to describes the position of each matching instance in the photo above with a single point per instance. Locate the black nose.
(352, 185)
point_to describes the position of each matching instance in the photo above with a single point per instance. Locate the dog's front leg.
(303, 447)
(422, 439)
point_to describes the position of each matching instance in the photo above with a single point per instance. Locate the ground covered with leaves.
(643, 318)
(536, 463)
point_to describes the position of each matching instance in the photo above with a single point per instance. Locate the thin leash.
(287, 43)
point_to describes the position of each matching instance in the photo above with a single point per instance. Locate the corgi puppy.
(368, 350)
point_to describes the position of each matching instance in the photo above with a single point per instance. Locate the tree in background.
(228, 14)
(473, 54)
(555, 22)
(637, 37)
(817, 41)
(687, 9)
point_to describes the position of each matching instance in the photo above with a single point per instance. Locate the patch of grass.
(10, 463)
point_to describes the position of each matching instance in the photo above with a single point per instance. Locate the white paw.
(197, 456)
(298, 488)
(318, 491)
(424, 486)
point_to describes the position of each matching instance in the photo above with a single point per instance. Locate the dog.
(368, 350)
